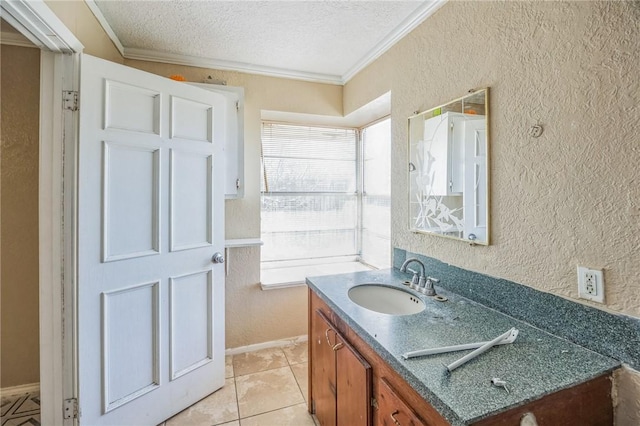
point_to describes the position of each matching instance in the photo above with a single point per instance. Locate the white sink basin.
(386, 300)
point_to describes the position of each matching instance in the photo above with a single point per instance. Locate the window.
(376, 195)
(312, 204)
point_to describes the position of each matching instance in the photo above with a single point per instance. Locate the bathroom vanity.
(357, 375)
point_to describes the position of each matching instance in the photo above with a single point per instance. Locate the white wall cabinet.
(444, 153)
(234, 140)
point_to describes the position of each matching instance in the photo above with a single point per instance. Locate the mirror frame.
(487, 116)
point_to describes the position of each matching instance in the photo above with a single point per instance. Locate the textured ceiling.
(324, 37)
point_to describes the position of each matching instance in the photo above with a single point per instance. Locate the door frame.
(57, 213)
(57, 236)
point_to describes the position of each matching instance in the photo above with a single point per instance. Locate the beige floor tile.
(296, 354)
(266, 391)
(217, 408)
(228, 367)
(296, 415)
(301, 373)
(233, 423)
(253, 362)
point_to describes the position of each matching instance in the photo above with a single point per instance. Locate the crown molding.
(405, 27)
(410, 23)
(105, 25)
(37, 22)
(14, 39)
(197, 61)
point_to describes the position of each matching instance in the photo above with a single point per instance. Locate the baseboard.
(267, 345)
(20, 389)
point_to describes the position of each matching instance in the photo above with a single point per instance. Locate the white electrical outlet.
(590, 284)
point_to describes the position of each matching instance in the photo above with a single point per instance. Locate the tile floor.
(21, 410)
(263, 388)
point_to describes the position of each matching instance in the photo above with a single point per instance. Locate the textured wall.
(253, 315)
(368, 85)
(570, 197)
(19, 115)
(79, 19)
(567, 198)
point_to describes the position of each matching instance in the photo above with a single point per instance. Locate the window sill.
(277, 286)
(288, 277)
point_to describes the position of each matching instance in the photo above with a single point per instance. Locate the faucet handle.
(428, 286)
(422, 282)
(415, 281)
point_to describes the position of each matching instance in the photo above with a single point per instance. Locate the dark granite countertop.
(536, 364)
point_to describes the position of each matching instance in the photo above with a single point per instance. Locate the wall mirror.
(448, 169)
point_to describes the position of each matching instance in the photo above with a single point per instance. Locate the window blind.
(308, 159)
(309, 198)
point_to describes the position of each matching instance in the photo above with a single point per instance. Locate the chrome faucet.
(420, 282)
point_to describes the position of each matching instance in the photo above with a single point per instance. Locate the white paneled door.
(150, 219)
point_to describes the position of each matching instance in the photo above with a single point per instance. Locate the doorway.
(19, 99)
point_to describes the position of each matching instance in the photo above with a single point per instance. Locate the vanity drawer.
(392, 409)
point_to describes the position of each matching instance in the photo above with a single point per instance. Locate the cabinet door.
(234, 138)
(353, 380)
(323, 369)
(392, 410)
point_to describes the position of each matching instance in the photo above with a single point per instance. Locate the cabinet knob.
(393, 417)
(326, 334)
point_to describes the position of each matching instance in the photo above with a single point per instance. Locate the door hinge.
(70, 408)
(70, 100)
(237, 105)
(374, 403)
(237, 183)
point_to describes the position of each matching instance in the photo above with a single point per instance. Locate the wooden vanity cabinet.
(340, 377)
(328, 378)
(336, 384)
